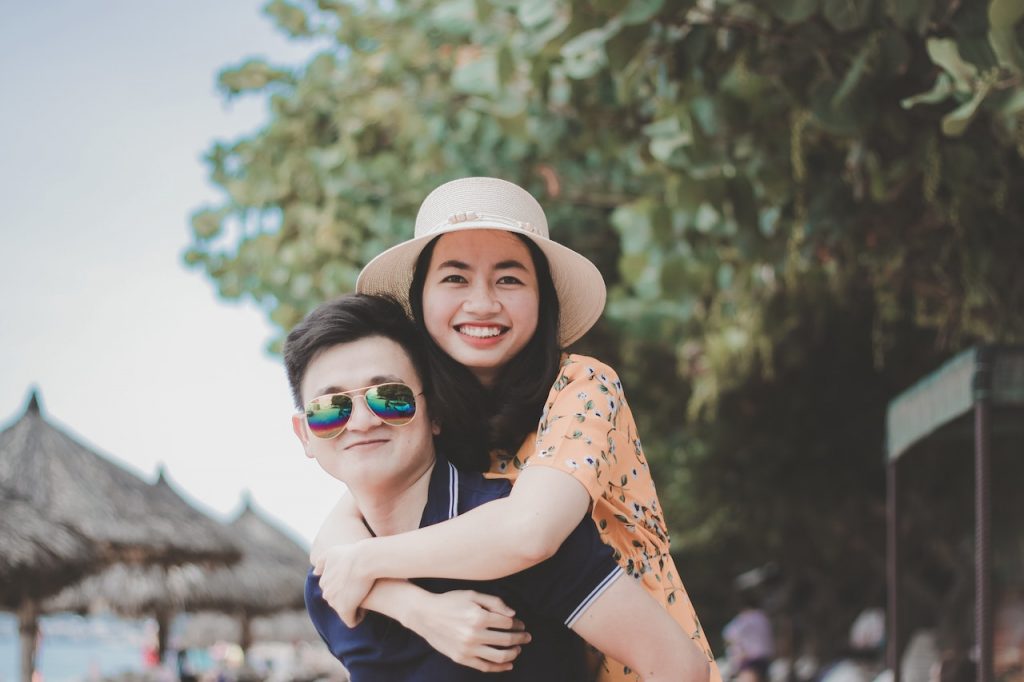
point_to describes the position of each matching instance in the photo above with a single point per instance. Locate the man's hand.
(343, 583)
(473, 629)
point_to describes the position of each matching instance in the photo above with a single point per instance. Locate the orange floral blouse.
(587, 430)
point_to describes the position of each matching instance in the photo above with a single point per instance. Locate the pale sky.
(107, 108)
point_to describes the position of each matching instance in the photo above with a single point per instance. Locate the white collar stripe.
(453, 491)
(592, 597)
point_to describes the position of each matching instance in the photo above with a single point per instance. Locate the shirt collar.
(442, 493)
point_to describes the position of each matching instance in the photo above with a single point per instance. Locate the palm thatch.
(118, 513)
(129, 590)
(270, 577)
(125, 516)
(39, 555)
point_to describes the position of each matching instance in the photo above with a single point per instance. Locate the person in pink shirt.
(749, 641)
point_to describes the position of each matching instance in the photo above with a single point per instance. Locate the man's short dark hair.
(345, 320)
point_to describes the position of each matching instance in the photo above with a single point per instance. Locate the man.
(356, 372)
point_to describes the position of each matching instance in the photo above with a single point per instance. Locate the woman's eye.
(509, 279)
(455, 279)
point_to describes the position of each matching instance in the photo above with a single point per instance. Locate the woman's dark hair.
(476, 419)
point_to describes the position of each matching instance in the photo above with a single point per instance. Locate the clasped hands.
(473, 629)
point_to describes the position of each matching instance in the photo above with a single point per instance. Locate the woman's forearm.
(491, 541)
(343, 526)
(396, 599)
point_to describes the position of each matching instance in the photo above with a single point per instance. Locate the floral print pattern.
(587, 430)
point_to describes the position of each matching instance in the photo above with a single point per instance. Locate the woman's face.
(481, 299)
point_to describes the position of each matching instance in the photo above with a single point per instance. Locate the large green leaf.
(1004, 16)
(944, 52)
(955, 122)
(942, 89)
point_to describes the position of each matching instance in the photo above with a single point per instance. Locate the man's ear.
(299, 427)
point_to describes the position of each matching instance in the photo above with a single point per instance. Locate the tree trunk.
(28, 629)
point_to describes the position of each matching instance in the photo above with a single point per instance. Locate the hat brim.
(578, 283)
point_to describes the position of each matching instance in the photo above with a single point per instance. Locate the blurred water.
(75, 649)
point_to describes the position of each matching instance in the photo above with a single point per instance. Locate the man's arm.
(625, 623)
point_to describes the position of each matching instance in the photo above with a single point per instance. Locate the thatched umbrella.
(108, 504)
(39, 556)
(121, 515)
(269, 578)
(137, 590)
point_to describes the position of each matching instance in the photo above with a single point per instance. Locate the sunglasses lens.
(394, 404)
(328, 415)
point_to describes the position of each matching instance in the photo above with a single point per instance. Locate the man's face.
(369, 454)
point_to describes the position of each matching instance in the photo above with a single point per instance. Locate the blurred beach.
(104, 647)
(75, 648)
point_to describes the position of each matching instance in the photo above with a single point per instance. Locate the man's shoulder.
(475, 489)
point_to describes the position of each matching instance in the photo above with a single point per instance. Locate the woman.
(497, 301)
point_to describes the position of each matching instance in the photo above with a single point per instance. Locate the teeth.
(480, 332)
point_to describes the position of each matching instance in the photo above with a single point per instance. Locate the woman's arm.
(544, 506)
(626, 624)
(343, 526)
(491, 541)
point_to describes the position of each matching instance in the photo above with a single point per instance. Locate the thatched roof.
(269, 577)
(126, 517)
(38, 555)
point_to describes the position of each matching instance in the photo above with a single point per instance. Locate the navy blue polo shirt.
(548, 598)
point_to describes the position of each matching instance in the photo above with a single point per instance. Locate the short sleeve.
(576, 432)
(563, 586)
(330, 628)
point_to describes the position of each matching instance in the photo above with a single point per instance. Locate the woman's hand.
(473, 629)
(343, 581)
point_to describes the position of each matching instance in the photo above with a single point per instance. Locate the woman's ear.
(435, 428)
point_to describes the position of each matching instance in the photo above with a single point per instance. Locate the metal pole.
(982, 517)
(892, 653)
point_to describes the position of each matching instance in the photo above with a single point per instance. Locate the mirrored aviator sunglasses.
(392, 403)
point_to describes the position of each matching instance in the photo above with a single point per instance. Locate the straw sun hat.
(492, 204)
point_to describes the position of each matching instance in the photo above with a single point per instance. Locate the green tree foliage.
(799, 205)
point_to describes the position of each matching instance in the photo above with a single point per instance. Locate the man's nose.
(362, 417)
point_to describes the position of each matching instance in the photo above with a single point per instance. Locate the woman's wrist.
(369, 564)
(376, 560)
(415, 604)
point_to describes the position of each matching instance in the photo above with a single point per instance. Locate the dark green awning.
(951, 391)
